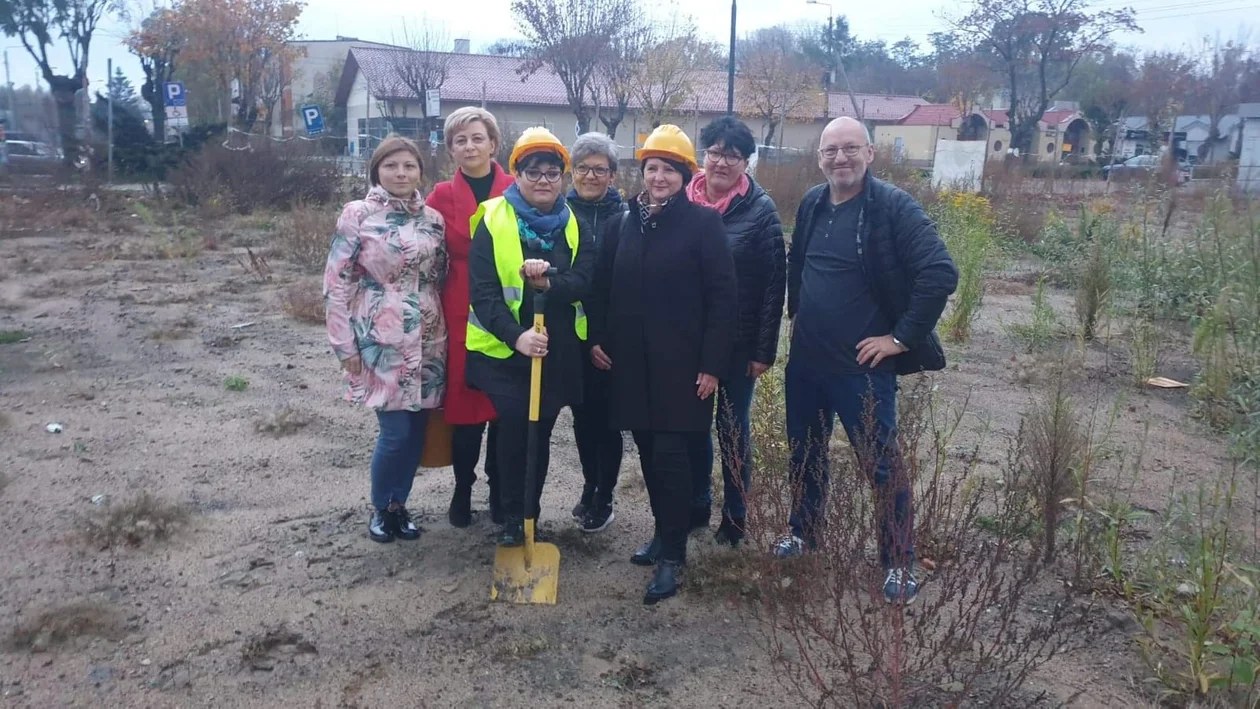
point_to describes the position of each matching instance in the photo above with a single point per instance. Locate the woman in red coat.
(472, 138)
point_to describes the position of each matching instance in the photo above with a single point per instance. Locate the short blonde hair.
(461, 118)
(392, 143)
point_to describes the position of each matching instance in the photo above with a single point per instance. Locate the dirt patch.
(143, 519)
(263, 652)
(281, 422)
(60, 625)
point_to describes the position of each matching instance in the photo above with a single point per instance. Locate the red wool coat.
(455, 201)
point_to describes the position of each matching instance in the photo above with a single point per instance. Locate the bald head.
(845, 128)
(844, 152)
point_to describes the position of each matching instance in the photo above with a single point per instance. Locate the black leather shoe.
(700, 517)
(730, 532)
(381, 527)
(665, 582)
(648, 553)
(459, 514)
(404, 528)
(512, 534)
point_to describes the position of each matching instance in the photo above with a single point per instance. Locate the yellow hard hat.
(537, 140)
(669, 142)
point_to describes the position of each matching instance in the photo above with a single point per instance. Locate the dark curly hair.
(731, 133)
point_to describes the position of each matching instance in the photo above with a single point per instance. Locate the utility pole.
(837, 65)
(8, 82)
(109, 90)
(730, 67)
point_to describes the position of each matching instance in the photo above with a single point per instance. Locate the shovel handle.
(533, 443)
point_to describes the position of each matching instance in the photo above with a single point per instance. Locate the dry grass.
(304, 236)
(142, 519)
(304, 301)
(724, 573)
(61, 624)
(282, 422)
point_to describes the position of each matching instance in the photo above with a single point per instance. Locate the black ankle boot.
(730, 532)
(381, 527)
(700, 517)
(404, 528)
(512, 534)
(460, 512)
(665, 581)
(648, 553)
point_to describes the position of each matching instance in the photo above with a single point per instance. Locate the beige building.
(1061, 133)
(376, 102)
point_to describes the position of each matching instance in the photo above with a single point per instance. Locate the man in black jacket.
(868, 278)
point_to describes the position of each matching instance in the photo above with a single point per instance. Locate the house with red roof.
(376, 101)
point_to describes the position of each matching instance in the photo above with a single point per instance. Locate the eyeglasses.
(718, 158)
(849, 151)
(584, 170)
(536, 175)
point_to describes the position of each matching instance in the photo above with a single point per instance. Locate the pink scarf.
(697, 193)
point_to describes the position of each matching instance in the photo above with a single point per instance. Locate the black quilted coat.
(755, 234)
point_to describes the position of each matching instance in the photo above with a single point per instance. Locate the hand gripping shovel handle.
(533, 442)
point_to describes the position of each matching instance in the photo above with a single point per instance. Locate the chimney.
(462, 46)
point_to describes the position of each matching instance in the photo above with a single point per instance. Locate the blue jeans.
(397, 455)
(814, 399)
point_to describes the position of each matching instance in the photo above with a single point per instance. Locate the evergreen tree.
(121, 92)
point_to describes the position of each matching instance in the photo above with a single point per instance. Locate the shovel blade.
(518, 580)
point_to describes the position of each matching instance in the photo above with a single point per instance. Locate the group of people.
(661, 310)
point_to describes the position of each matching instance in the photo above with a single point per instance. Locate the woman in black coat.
(756, 237)
(664, 325)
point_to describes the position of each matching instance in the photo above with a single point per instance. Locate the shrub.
(236, 383)
(1094, 281)
(304, 301)
(255, 176)
(61, 624)
(1051, 445)
(828, 632)
(1042, 327)
(145, 518)
(304, 236)
(966, 224)
(787, 180)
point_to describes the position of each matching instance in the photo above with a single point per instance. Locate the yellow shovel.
(529, 573)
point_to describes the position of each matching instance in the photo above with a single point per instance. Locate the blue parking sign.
(314, 120)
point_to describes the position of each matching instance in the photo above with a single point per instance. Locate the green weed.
(1042, 328)
(236, 383)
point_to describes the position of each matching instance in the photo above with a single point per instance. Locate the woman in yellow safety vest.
(517, 238)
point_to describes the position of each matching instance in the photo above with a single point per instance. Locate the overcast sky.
(1168, 24)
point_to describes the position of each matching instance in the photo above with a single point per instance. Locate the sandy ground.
(274, 592)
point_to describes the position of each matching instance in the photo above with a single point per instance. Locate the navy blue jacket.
(905, 263)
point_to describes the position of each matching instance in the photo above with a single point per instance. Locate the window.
(1049, 148)
(997, 146)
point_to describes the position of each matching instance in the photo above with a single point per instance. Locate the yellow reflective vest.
(500, 220)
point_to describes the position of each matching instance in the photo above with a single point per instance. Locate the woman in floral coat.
(384, 316)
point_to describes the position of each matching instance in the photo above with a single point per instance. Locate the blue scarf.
(538, 230)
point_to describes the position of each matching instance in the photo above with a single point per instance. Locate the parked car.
(1142, 167)
(31, 158)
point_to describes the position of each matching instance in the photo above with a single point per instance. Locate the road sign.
(313, 119)
(176, 102)
(432, 102)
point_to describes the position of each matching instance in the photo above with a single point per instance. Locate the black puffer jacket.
(904, 260)
(755, 234)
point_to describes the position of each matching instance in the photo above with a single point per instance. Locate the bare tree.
(35, 23)
(1164, 78)
(666, 76)
(1218, 85)
(618, 70)
(777, 82)
(1037, 45)
(570, 37)
(426, 64)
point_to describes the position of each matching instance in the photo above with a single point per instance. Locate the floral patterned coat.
(381, 299)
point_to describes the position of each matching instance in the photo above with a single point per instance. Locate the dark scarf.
(650, 214)
(538, 230)
(610, 203)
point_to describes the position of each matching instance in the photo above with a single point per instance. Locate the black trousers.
(599, 449)
(511, 450)
(466, 451)
(667, 472)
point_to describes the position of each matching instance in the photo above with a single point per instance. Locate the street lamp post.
(730, 67)
(831, 51)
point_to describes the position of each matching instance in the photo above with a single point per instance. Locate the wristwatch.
(900, 344)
